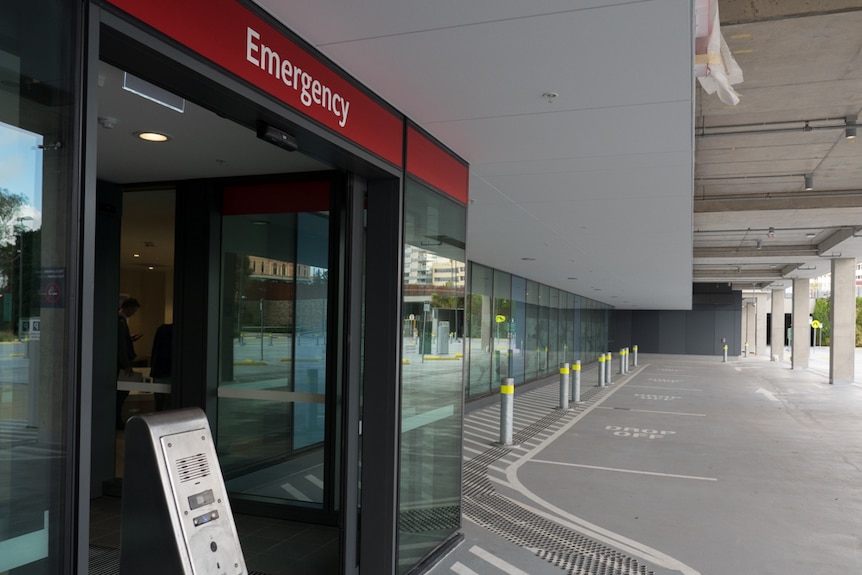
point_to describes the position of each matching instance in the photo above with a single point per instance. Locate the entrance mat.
(106, 561)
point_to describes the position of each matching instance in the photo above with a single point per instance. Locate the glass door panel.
(272, 377)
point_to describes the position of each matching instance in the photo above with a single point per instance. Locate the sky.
(21, 169)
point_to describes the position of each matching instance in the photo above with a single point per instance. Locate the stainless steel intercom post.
(176, 515)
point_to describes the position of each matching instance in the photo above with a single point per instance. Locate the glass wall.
(38, 206)
(523, 329)
(482, 334)
(272, 381)
(504, 330)
(432, 369)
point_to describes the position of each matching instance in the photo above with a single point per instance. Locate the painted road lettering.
(636, 432)
(657, 397)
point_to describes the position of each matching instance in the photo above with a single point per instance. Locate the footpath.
(686, 464)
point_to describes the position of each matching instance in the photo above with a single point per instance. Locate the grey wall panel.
(700, 333)
(645, 331)
(672, 336)
(621, 329)
(727, 325)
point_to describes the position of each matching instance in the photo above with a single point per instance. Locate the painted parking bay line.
(668, 388)
(496, 562)
(462, 569)
(633, 471)
(653, 411)
(768, 394)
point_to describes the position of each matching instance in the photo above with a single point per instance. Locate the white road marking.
(297, 494)
(498, 563)
(314, 480)
(766, 393)
(652, 411)
(669, 388)
(562, 517)
(462, 569)
(600, 468)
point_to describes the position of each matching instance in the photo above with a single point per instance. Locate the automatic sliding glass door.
(272, 392)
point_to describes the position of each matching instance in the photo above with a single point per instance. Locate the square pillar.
(842, 320)
(801, 343)
(777, 331)
(760, 309)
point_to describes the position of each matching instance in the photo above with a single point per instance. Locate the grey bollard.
(507, 408)
(601, 370)
(623, 361)
(564, 386)
(725, 354)
(576, 394)
(609, 359)
(635, 348)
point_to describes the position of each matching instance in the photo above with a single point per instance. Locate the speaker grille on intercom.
(193, 467)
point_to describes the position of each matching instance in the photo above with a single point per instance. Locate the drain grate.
(561, 546)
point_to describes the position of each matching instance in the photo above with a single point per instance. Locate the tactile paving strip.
(565, 548)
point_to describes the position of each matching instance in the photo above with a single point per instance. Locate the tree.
(859, 322)
(821, 313)
(10, 208)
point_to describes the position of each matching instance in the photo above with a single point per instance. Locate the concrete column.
(760, 311)
(842, 320)
(801, 344)
(777, 332)
(748, 329)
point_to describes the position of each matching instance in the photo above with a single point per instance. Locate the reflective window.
(555, 346)
(533, 353)
(529, 329)
(519, 302)
(432, 364)
(481, 340)
(38, 205)
(272, 381)
(504, 329)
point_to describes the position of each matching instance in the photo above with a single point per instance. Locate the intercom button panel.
(202, 504)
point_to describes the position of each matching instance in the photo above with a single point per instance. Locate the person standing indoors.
(125, 350)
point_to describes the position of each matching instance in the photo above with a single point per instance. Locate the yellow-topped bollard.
(602, 359)
(507, 408)
(564, 386)
(576, 391)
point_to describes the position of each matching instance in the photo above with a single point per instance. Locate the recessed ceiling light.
(153, 136)
(529, 259)
(136, 255)
(810, 235)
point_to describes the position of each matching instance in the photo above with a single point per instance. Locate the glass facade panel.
(272, 381)
(38, 211)
(535, 329)
(519, 305)
(432, 370)
(482, 331)
(555, 346)
(532, 354)
(542, 334)
(504, 329)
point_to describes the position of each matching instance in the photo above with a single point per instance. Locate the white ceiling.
(596, 185)
(621, 182)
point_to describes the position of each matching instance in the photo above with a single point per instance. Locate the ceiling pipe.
(765, 128)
